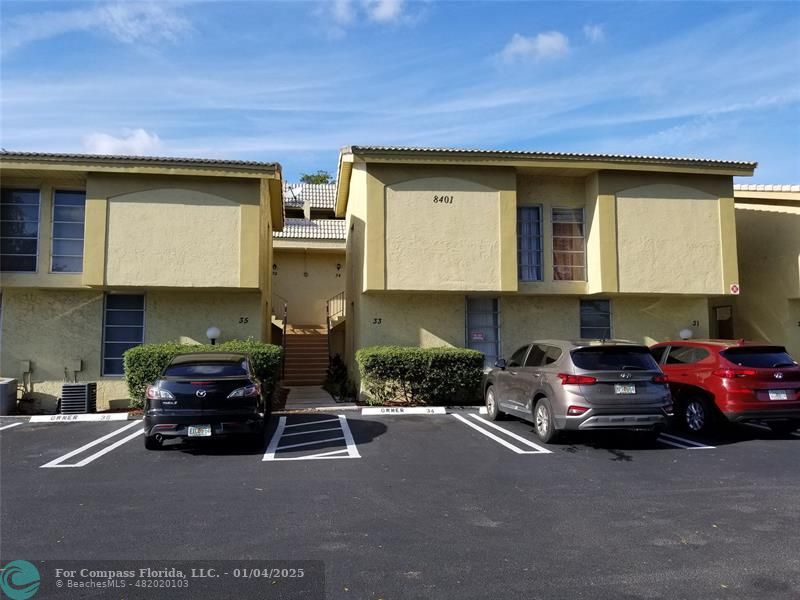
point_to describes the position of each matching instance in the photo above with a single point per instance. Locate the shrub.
(420, 375)
(143, 364)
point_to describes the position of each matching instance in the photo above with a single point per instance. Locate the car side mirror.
(500, 363)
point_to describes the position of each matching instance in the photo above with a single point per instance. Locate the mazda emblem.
(200, 393)
(778, 375)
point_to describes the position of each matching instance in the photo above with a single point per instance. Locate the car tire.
(783, 427)
(697, 415)
(543, 422)
(151, 443)
(492, 408)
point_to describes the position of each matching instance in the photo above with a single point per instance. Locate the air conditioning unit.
(78, 398)
(8, 396)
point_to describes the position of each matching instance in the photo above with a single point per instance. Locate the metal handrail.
(285, 303)
(334, 307)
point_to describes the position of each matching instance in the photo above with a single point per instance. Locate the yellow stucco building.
(421, 247)
(102, 253)
(489, 250)
(768, 238)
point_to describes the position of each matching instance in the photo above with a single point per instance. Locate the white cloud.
(594, 33)
(343, 12)
(384, 11)
(542, 46)
(134, 142)
(143, 23)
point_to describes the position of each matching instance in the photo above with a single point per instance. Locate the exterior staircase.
(305, 355)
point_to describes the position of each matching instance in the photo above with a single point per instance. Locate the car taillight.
(575, 411)
(567, 379)
(734, 373)
(250, 391)
(660, 379)
(156, 393)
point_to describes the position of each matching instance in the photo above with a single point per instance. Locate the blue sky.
(293, 82)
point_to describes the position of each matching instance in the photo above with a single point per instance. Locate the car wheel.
(151, 443)
(543, 421)
(697, 415)
(783, 427)
(492, 409)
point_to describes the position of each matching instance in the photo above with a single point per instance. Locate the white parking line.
(512, 435)
(10, 426)
(349, 451)
(679, 442)
(57, 463)
(501, 441)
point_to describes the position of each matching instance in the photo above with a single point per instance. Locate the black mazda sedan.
(206, 395)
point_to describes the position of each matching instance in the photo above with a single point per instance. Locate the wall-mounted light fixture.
(213, 334)
(686, 333)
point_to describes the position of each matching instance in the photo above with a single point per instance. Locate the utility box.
(78, 398)
(8, 396)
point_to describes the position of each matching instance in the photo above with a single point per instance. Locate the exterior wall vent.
(78, 398)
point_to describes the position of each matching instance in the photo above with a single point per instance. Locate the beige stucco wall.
(307, 279)
(469, 244)
(51, 327)
(769, 263)
(173, 237)
(457, 242)
(651, 319)
(668, 239)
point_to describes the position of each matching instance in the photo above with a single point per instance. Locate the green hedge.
(438, 376)
(143, 364)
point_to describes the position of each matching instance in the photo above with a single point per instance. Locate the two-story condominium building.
(102, 253)
(490, 249)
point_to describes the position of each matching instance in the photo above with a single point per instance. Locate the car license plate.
(624, 388)
(778, 395)
(200, 431)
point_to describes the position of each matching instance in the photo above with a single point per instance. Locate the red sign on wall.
(735, 289)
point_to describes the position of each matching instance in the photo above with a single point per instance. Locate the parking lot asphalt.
(443, 506)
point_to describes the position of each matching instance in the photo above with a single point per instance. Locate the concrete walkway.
(312, 397)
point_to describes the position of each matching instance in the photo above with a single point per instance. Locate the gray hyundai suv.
(580, 385)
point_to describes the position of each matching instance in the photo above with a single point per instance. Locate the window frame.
(53, 233)
(582, 237)
(103, 356)
(610, 319)
(540, 235)
(38, 225)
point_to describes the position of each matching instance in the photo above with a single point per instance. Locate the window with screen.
(529, 243)
(19, 230)
(569, 245)
(123, 329)
(69, 214)
(596, 319)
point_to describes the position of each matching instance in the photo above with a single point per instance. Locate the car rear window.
(614, 358)
(760, 357)
(207, 369)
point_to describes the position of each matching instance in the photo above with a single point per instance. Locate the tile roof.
(315, 229)
(319, 195)
(140, 159)
(499, 154)
(766, 187)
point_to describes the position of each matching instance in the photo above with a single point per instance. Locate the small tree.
(318, 177)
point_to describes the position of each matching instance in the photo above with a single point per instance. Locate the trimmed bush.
(143, 364)
(438, 376)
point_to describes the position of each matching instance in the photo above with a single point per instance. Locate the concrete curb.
(90, 417)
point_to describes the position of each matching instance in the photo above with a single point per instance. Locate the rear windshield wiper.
(632, 368)
(783, 364)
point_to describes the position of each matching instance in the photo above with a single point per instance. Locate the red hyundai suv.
(719, 381)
